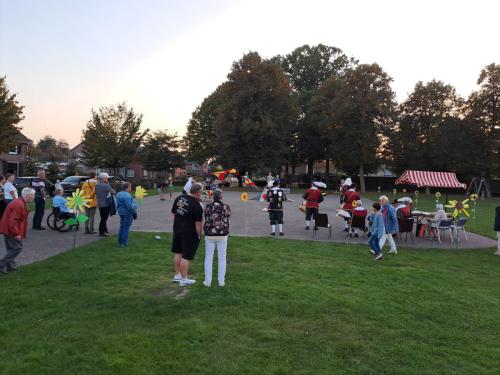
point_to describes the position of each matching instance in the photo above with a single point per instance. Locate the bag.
(112, 205)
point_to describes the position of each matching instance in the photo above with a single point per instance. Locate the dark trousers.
(39, 211)
(311, 213)
(103, 226)
(13, 247)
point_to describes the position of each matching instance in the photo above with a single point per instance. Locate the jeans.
(13, 247)
(90, 212)
(210, 245)
(390, 239)
(373, 242)
(39, 211)
(103, 227)
(125, 224)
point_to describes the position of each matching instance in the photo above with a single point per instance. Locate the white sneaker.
(186, 281)
(206, 284)
(222, 284)
(371, 251)
(379, 257)
(177, 278)
(393, 252)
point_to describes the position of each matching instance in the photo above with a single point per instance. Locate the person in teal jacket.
(127, 209)
(377, 231)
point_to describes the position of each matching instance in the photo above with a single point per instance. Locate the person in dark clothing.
(275, 198)
(188, 218)
(2, 200)
(38, 184)
(497, 228)
(104, 193)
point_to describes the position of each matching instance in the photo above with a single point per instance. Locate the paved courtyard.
(248, 219)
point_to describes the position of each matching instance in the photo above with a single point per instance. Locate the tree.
(71, 169)
(112, 137)
(483, 114)
(11, 114)
(50, 149)
(307, 68)
(254, 121)
(199, 141)
(160, 151)
(427, 128)
(350, 113)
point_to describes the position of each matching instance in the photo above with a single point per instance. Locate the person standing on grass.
(88, 188)
(38, 184)
(497, 228)
(216, 230)
(127, 209)
(104, 192)
(376, 232)
(2, 201)
(13, 226)
(9, 190)
(188, 218)
(391, 225)
(313, 198)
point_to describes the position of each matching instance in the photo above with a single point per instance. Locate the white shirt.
(7, 188)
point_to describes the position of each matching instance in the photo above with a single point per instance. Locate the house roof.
(21, 138)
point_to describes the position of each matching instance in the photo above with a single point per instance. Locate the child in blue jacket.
(377, 232)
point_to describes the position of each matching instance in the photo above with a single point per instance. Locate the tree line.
(316, 103)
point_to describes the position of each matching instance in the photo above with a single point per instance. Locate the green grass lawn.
(485, 209)
(289, 307)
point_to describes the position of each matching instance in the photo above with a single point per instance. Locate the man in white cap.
(275, 198)
(103, 192)
(313, 198)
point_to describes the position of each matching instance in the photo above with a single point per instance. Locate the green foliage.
(71, 169)
(50, 149)
(254, 121)
(199, 141)
(112, 137)
(11, 114)
(160, 151)
(302, 308)
(53, 172)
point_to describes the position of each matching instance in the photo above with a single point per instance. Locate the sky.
(64, 58)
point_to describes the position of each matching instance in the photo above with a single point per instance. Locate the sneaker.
(273, 234)
(371, 251)
(393, 252)
(307, 228)
(356, 235)
(379, 257)
(186, 282)
(3, 270)
(177, 279)
(282, 234)
(206, 284)
(222, 284)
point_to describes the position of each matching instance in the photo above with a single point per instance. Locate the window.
(14, 150)
(144, 173)
(130, 173)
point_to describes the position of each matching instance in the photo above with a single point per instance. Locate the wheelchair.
(56, 221)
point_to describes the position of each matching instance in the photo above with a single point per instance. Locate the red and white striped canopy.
(430, 179)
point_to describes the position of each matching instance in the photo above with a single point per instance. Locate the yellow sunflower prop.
(244, 197)
(78, 201)
(354, 204)
(474, 198)
(140, 193)
(459, 207)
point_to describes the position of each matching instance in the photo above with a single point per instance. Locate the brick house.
(13, 160)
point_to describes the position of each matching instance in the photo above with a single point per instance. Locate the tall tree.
(112, 137)
(50, 149)
(253, 125)
(307, 68)
(351, 113)
(483, 114)
(199, 141)
(431, 111)
(11, 114)
(161, 151)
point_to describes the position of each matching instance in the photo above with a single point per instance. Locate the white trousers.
(390, 239)
(210, 246)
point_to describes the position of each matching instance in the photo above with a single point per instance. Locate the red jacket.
(15, 219)
(313, 198)
(350, 196)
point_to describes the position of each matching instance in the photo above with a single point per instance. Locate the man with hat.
(313, 198)
(275, 198)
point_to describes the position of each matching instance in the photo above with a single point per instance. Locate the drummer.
(313, 197)
(350, 196)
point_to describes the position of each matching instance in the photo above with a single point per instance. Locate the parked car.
(21, 182)
(71, 183)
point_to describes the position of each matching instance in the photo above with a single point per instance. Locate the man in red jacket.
(313, 197)
(13, 226)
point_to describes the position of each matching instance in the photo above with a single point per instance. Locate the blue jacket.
(125, 204)
(377, 228)
(391, 221)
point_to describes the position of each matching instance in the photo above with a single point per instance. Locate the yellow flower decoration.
(244, 197)
(438, 195)
(474, 197)
(354, 204)
(140, 193)
(78, 201)
(459, 207)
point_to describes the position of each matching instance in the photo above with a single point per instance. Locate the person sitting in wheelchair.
(61, 205)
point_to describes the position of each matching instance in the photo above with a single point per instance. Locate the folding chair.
(443, 227)
(357, 222)
(460, 225)
(406, 226)
(321, 221)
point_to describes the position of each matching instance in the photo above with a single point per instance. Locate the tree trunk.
(362, 185)
(310, 166)
(327, 169)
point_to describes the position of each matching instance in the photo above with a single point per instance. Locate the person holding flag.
(313, 197)
(275, 198)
